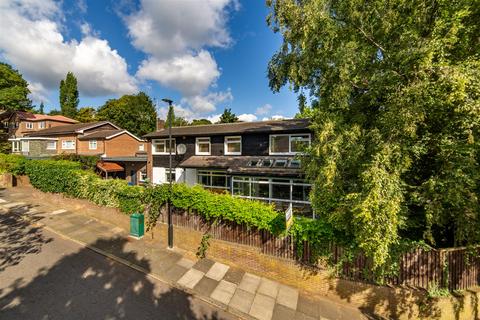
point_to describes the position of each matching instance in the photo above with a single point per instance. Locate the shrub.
(12, 163)
(88, 162)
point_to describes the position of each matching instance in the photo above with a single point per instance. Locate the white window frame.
(141, 147)
(290, 152)
(29, 125)
(42, 125)
(227, 138)
(16, 146)
(54, 143)
(169, 173)
(211, 174)
(197, 152)
(64, 145)
(164, 141)
(92, 144)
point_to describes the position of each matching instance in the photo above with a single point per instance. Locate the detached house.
(255, 160)
(122, 154)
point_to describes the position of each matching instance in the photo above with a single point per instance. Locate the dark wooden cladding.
(457, 268)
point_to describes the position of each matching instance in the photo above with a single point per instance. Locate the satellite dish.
(181, 149)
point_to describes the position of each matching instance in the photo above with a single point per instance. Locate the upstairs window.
(92, 144)
(29, 125)
(289, 143)
(141, 147)
(233, 145)
(42, 125)
(163, 146)
(68, 144)
(202, 146)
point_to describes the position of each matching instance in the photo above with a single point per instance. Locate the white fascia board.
(122, 132)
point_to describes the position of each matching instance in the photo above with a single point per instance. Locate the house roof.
(70, 128)
(109, 166)
(240, 164)
(107, 134)
(235, 128)
(28, 116)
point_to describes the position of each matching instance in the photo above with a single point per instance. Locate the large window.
(289, 143)
(51, 145)
(162, 146)
(202, 146)
(281, 192)
(68, 144)
(233, 145)
(213, 179)
(92, 144)
(29, 125)
(16, 146)
(42, 125)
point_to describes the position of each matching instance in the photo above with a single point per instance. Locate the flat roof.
(294, 125)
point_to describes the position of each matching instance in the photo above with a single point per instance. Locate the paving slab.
(242, 301)
(186, 263)
(328, 310)
(307, 306)
(282, 313)
(262, 307)
(217, 271)
(175, 273)
(249, 282)
(268, 287)
(191, 278)
(302, 316)
(204, 265)
(234, 275)
(287, 296)
(224, 292)
(206, 286)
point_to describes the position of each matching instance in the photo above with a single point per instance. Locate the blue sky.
(205, 55)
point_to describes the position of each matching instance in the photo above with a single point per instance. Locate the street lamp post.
(170, 121)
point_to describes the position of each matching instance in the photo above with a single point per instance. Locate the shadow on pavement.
(85, 285)
(19, 237)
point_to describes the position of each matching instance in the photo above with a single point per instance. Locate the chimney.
(160, 124)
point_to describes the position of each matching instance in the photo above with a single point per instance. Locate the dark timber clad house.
(255, 160)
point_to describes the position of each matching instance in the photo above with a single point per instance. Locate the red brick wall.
(83, 147)
(123, 145)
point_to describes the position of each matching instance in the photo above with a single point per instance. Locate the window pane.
(281, 191)
(241, 188)
(233, 147)
(299, 143)
(204, 180)
(280, 163)
(204, 147)
(260, 190)
(279, 143)
(301, 193)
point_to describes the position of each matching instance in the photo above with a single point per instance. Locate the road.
(44, 276)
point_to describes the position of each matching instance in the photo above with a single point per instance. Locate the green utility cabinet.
(136, 225)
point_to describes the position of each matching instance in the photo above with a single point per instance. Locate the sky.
(205, 55)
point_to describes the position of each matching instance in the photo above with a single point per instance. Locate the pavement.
(228, 291)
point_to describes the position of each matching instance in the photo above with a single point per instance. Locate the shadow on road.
(85, 285)
(19, 237)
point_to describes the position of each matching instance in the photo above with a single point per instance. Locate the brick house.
(121, 154)
(254, 160)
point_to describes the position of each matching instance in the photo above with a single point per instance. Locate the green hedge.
(67, 177)
(12, 163)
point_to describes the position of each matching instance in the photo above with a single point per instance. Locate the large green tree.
(13, 89)
(135, 113)
(69, 96)
(396, 112)
(199, 122)
(228, 116)
(86, 114)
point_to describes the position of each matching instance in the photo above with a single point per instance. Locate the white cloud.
(167, 28)
(175, 35)
(247, 117)
(275, 117)
(265, 109)
(214, 118)
(32, 41)
(191, 75)
(38, 92)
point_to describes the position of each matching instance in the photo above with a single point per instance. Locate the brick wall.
(83, 147)
(123, 145)
(66, 138)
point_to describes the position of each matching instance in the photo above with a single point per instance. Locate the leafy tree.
(54, 112)
(69, 96)
(41, 108)
(198, 122)
(86, 114)
(135, 113)
(13, 89)
(176, 121)
(228, 116)
(396, 85)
